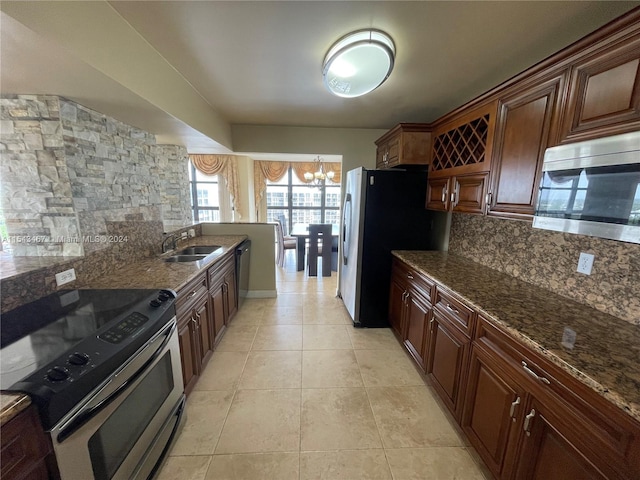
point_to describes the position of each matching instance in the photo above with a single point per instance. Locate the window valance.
(223, 165)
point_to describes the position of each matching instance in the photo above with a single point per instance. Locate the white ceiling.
(190, 70)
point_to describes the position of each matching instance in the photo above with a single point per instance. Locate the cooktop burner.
(63, 341)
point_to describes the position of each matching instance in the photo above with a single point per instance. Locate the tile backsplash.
(549, 260)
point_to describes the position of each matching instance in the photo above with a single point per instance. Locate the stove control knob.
(78, 359)
(163, 297)
(58, 374)
(155, 303)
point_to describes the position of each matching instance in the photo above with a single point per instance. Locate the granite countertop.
(149, 272)
(606, 350)
(154, 272)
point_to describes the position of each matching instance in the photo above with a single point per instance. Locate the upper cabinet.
(525, 120)
(604, 94)
(461, 160)
(405, 144)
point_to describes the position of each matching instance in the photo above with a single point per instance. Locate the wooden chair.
(284, 243)
(319, 232)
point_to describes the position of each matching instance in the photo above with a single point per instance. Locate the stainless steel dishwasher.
(243, 256)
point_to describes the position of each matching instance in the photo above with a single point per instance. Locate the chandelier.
(316, 178)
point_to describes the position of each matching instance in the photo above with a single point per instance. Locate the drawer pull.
(527, 422)
(454, 310)
(409, 276)
(513, 408)
(192, 294)
(444, 194)
(534, 374)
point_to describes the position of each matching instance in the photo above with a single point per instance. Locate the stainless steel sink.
(184, 258)
(200, 249)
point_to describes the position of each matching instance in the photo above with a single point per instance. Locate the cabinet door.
(217, 311)
(522, 134)
(546, 454)
(188, 355)
(447, 356)
(492, 411)
(418, 312)
(468, 195)
(438, 194)
(396, 305)
(604, 96)
(205, 330)
(232, 294)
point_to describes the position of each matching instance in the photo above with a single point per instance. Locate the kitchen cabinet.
(461, 193)
(529, 420)
(223, 294)
(450, 338)
(195, 329)
(405, 144)
(526, 417)
(604, 91)
(461, 159)
(524, 122)
(410, 309)
(26, 451)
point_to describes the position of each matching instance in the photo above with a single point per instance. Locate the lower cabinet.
(527, 418)
(26, 452)
(204, 308)
(446, 366)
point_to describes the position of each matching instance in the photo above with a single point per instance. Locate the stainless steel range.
(103, 367)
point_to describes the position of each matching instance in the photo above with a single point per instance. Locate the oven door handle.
(88, 414)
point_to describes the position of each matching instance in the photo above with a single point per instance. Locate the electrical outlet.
(65, 277)
(585, 263)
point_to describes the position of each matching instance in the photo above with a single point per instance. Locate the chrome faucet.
(170, 237)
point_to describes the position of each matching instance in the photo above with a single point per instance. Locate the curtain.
(224, 165)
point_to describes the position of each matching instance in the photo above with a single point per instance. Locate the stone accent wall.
(68, 171)
(549, 259)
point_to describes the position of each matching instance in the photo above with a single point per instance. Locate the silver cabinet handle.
(514, 404)
(444, 194)
(487, 200)
(431, 325)
(192, 294)
(454, 310)
(534, 374)
(409, 276)
(527, 422)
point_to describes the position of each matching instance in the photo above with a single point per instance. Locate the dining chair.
(319, 232)
(284, 243)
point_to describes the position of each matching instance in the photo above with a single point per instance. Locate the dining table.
(301, 232)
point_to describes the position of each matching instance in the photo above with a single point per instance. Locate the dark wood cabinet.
(461, 193)
(188, 357)
(524, 122)
(405, 144)
(26, 451)
(218, 309)
(604, 92)
(224, 297)
(527, 418)
(410, 309)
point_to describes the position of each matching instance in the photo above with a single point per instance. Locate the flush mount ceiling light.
(358, 63)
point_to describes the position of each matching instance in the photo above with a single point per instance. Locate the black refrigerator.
(383, 210)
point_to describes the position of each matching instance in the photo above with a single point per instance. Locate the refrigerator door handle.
(346, 233)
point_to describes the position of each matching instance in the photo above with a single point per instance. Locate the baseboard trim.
(262, 294)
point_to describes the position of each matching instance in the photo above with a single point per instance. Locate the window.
(301, 203)
(205, 196)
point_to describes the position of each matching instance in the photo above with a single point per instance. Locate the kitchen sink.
(200, 249)
(184, 258)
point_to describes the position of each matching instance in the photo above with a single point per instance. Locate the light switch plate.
(585, 263)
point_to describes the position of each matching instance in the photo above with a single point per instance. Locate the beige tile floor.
(294, 392)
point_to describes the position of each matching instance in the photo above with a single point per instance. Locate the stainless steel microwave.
(592, 188)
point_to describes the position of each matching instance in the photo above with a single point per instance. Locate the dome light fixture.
(358, 63)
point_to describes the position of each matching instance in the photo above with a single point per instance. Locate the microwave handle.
(84, 416)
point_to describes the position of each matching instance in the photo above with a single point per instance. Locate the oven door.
(123, 429)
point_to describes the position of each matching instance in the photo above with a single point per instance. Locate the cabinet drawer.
(190, 294)
(453, 309)
(413, 279)
(220, 269)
